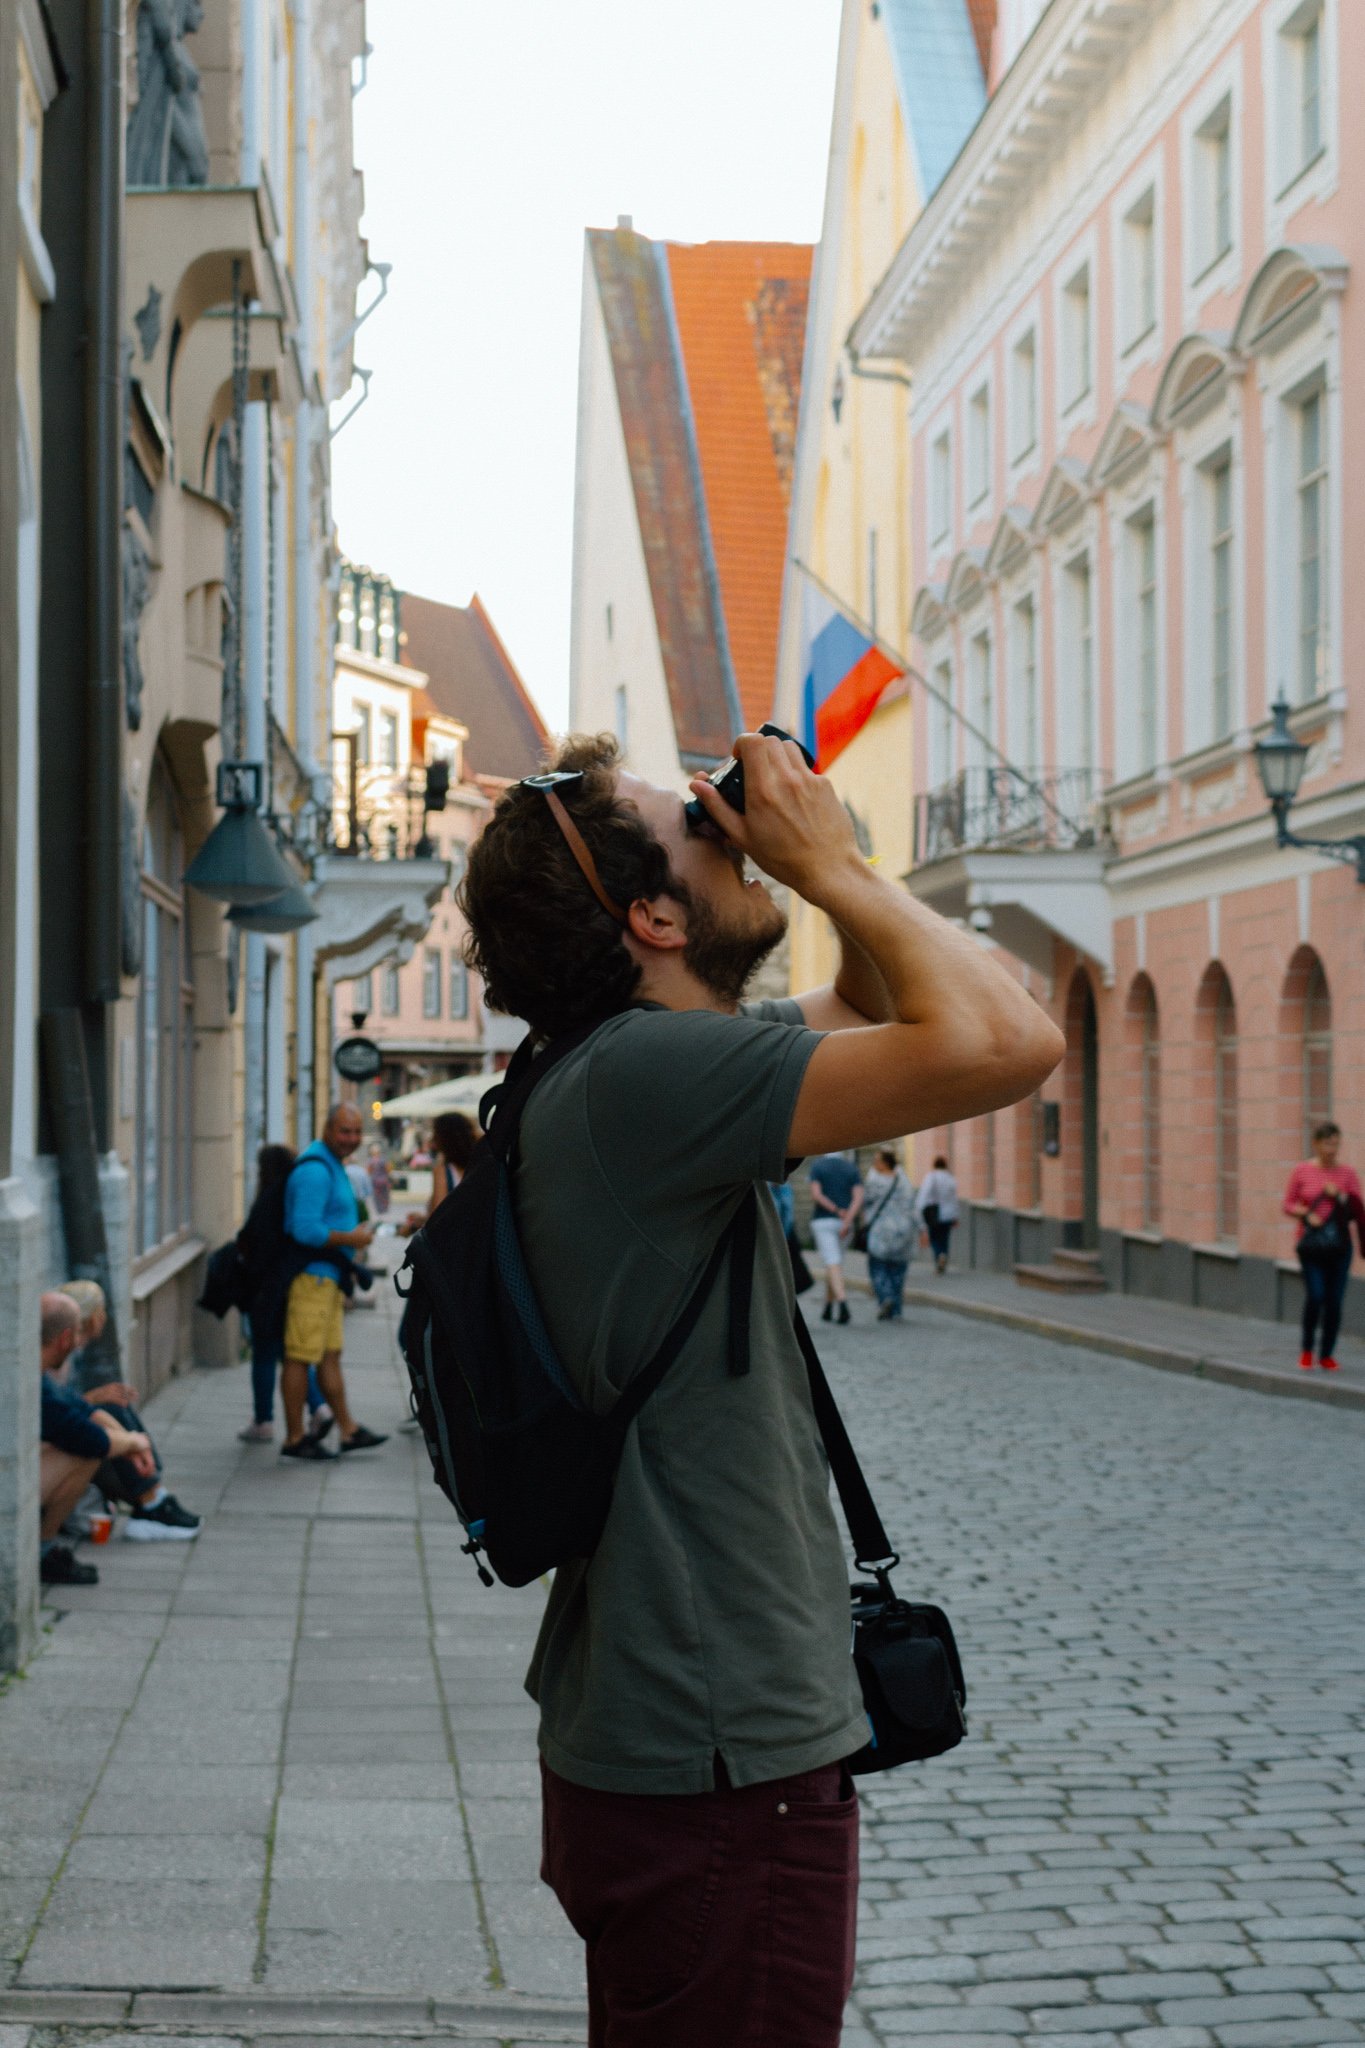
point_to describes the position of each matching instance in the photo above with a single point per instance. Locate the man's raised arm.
(960, 1036)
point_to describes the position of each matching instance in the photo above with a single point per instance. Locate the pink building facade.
(1133, 317)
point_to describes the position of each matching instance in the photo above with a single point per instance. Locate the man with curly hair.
(697, 1697)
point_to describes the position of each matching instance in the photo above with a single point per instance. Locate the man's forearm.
(924, 964)
(859, 983)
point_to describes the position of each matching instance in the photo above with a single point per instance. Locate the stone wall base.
(995, 1239)
(20, 1287)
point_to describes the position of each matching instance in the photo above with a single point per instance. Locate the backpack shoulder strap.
(738, 1237)
(501, 1108)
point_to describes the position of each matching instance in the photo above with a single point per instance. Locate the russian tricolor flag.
(845, 676)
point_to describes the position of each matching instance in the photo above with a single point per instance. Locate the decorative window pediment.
(1064, 495)
(966, 580)
(1285, 294)
(1124, 443)
(1010, 542)
(929, 616)
(1192, 379)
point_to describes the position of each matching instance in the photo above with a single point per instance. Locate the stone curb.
(388, 2016)
(1229, 1372)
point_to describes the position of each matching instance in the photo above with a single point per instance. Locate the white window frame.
(940, 519)
(1025, 750)
(1076, 408)
(390, 990)
(1144, 498)
(433, 967)
(1024, 458)
(1289, 183)
(457, 976)
(1313, 361)
(943, 727)
(1071, 686)
(983, 715)
(1201, 451)
(390, 741)
(978, 504)
(1132, 349)
(1206, 274)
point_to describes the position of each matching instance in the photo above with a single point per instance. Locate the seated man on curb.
(157, 1516)
(76, 1440)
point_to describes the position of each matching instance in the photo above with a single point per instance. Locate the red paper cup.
(101, 1528)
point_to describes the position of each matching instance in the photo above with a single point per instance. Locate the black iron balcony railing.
(377, 810)
(1008, 807)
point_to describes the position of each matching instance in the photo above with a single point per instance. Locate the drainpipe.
(104, 507)
(305, 593)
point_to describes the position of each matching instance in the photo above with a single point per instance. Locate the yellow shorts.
(313, 1319)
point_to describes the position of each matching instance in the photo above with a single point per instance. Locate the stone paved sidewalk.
(292, 1759)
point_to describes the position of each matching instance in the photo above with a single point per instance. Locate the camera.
(728, 781)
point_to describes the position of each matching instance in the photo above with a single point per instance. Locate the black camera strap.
(871, 1549)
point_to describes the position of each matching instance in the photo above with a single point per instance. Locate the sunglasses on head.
(548, 784)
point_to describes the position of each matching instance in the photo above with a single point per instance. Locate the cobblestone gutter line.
(1166, 1358)
(50, 2019)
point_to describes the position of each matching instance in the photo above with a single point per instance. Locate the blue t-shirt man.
(837, 1178)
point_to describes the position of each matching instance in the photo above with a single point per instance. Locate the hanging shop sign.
(357, 1059)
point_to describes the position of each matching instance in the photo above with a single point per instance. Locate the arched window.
(1143, 1004)
(1225, 1110)
(1316, 1069)
(165, 1006)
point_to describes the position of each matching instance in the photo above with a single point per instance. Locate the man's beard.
(725, 957)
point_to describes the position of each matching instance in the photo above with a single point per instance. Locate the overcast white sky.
(491, 134)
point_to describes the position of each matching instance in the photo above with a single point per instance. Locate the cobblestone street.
(1155, 1834)
(280, 1783)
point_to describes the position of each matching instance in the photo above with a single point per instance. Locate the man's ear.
(657, 924)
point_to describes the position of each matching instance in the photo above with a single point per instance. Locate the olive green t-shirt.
(714, 1616)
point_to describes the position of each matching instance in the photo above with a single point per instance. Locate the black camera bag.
(904, 1653)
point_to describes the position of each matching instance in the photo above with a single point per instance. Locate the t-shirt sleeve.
(774, 1010)
(692, 1099)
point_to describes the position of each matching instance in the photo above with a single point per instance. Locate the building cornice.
(1071, 54)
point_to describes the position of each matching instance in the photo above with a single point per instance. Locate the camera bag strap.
(871, 1548)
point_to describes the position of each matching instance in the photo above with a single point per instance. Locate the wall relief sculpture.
(167, 140)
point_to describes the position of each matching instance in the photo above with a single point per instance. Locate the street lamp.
(1280, 762)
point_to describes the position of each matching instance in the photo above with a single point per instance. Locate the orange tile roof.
(983, 14)
(740, 313)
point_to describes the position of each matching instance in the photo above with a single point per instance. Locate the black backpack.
(527, 1467)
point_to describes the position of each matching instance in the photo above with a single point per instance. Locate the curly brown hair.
(546, 949)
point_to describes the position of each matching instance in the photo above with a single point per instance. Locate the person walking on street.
(1325, 1198)
(266, 1276)
(698, 1702)
(453, 1138)
(938, 1210)
(381, 1180)
(320, 1213)
(889, 1214)
(837, 1190)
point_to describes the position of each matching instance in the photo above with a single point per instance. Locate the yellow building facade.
(909, 78)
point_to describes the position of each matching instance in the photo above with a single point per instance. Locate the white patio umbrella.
(464, 1093)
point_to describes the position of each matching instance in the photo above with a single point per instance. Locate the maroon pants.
(717, 1919)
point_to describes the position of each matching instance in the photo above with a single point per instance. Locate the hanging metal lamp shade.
(286, 913)
(239, 863)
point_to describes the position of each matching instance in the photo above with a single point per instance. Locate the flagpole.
(984, 739)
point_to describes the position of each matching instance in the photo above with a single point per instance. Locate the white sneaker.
(166, 1522)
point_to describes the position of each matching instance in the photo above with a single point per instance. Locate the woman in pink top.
(1326, 1199)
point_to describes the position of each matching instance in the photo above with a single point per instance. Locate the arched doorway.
(1081, 1136)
